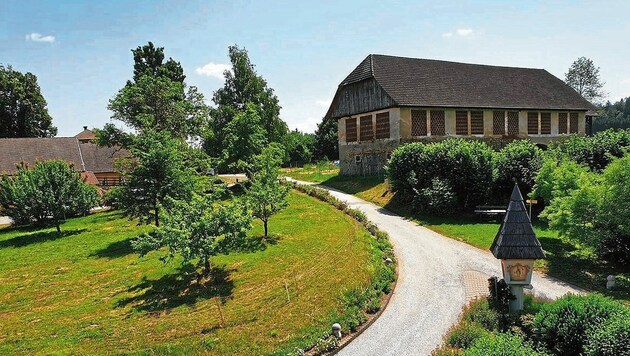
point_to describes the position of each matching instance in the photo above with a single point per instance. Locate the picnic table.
(491, 212)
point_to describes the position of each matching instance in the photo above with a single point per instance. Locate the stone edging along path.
(430, 289)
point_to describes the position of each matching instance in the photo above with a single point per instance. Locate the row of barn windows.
(433, 123)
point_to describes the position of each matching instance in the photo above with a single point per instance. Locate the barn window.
(461, 122)
(512, 123)
(366, 130)
(351, 129)
(545, 123)
(563, 123)
(532, 123)
(476, 122)
(418, 122)
(573, 123)
(437, 120)
(498, 122)
(382, 125)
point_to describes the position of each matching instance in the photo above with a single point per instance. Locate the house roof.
(85, 135)
(435, 83)
(516, 237)
(84, 156)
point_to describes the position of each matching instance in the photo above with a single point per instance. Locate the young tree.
(326, 140)
(243, 86)
(266, 195)
(198, 229)
(244, 139)
(583, 76)
(23, 111)
(51, 191)
(158, 174)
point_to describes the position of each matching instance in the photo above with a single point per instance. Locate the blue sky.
(80, 50)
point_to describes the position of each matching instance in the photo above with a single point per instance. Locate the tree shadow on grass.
(115, 250)
(181, 288)
(38, 237)
(258, 243)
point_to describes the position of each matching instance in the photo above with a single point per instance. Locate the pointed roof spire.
(516, 237)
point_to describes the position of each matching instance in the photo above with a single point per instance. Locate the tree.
(51, 191)
(243, 86)
(159, 173)
(326, 140)
(299, 146)
(156, 99)
(583, 76)
(615, 116)
(266, 195)
(244, 139)
(23, 111)
(198, 229)
(517, 162)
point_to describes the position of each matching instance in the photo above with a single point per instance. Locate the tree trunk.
(206, 267)
(266, 230)
(57, 225)
(157, 219)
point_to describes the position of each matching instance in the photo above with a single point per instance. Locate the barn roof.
(516, 237)
(436, 83)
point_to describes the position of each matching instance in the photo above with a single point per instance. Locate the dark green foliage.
(611, 339)
(199, 228)
(149, 60)
(565, 326)
(299, 147)
(464, 334)
(596, 151)
(517, 162)
(465, 164)
(613, 116)
(438, 199)
(482, 313)
(327, 140)
(500, 345)
(244, 140)
(500, 295)
(158, 173)
(23, 111)
(51, 191)
(243, 86)
(583, 76)
(266, 195)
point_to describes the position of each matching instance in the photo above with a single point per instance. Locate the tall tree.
(242, 86)
(244, 139)
(149, 60)
(299, 146)
(23, 111)
(326, 140)
(266, 195)
(583, 76)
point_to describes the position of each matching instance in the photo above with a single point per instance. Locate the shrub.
(464, 334)
(596, 151)
(501, 344)
(479, 311)
(500, 294)
(565, 325)
(465, 164)
(517, 162)
(438, 199)
(612, 339)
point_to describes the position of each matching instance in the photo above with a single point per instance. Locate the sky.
(81, 50)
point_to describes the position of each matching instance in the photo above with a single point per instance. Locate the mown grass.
(316, 173)
(565, 259)
(86, 292)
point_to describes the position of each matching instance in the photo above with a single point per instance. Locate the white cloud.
(323, 103)
(213, 70)
(37, 37)
(464, 31)
(460, 32)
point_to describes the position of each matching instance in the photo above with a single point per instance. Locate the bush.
(565, 325)
(438, 199)
(612, 339)
(517, 162)
(500, 294)
(596, 151)
(466, 166)
(500, 345)
(479, 311)
(464, 334)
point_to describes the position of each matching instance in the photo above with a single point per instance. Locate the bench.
(491, 212)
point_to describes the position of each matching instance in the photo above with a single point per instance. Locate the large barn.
(387, 100)
(95, 163)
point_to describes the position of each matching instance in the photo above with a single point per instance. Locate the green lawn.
(312, 173)
(86, 292)
(565, 259)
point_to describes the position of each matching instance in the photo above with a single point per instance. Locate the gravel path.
(430, 290)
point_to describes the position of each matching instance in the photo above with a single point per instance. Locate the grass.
(565, 260)
(87, 292)
(313, 172)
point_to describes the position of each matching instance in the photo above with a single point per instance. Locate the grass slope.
(87, 292)
(565, 259)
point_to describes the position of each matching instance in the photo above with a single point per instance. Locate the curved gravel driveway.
(430, 292)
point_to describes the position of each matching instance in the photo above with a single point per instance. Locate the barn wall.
(364, 96)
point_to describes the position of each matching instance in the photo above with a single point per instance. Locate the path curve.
(429, 293)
